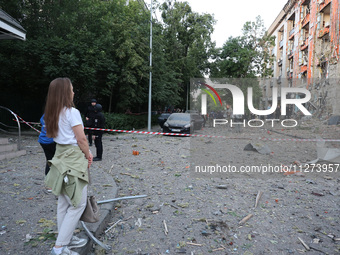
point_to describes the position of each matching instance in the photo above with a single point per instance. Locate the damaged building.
(306, 54)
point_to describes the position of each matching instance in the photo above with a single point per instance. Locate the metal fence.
(10, 124)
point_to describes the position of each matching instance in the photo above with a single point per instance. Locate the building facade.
(306, 53)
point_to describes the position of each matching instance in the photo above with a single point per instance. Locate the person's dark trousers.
(49, 150)
(89, 135)
(99, 145)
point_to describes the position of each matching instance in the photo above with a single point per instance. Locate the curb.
(106, 211)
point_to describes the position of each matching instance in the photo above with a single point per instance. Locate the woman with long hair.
(68, 176)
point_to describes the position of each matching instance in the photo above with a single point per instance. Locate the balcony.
(323, 4)
(291, 33)
(305, 2)
(303, 68)
(281, 43)
(305, 21)
(323, 32)
(290, 74)
(279, 61)
(304, 44)
(290, 54)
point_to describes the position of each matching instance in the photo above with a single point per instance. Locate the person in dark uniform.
(89, 115)
(98, 122)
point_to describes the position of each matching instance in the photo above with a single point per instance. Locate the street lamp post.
(150, 79)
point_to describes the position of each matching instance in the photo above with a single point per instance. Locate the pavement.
(103, 187)
(27, 209)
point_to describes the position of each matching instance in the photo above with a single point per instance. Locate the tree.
(103, 46)
(260, 42)
(100, 45)
(246, 56)
(242, 60)
(188, 44)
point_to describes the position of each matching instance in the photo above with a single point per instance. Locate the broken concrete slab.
(326, 154)
(334, 120)
(260, 148)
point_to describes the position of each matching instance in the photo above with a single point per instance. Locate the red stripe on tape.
(27, 123)
(192, 135)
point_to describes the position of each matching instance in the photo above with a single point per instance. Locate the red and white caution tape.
(33, 123)
(28, 124)
(160, 133)
(193, 135)
(213, 136)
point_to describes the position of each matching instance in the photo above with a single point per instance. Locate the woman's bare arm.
(82, 142)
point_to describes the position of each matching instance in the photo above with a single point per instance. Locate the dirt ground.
(27, 211)
(200, 213)
(187, 212)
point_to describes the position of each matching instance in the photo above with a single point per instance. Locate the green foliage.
(246, 56)
(188, 44)
(128, 122)
(242, 60)
(46, 235)
(256, 37)
(103, 46)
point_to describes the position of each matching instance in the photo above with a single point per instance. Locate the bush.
(128, 122)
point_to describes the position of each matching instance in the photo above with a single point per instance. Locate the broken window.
(300, 58)
(291, 65)
(291, 25)
(290, 47)
(319, 20)
(324, 17)
(280, 37)
(302, 12)
(303, 57)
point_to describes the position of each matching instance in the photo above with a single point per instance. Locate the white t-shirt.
(68, 118)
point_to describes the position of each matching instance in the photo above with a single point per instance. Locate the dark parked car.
(162, 118)
(191, 111)
(182, 123)
(198, 120)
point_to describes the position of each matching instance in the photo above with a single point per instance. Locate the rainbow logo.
(211, 95)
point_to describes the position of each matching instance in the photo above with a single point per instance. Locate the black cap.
(93, 101)
(98, 107)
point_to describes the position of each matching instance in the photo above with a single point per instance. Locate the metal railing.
(5, 124)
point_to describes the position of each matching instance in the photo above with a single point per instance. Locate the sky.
(231, 15)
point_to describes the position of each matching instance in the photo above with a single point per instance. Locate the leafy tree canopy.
(104, 47)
